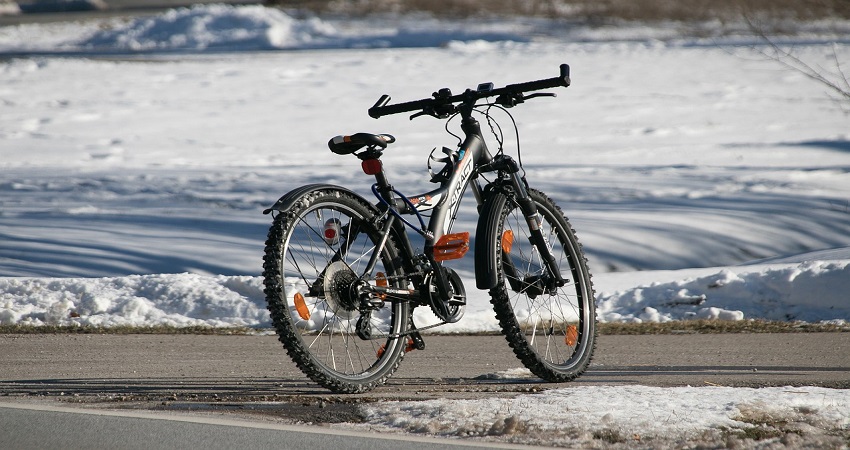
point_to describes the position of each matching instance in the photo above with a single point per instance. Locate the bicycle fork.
(552, 279)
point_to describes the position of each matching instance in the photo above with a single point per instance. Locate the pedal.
(451, 246)
(416, 342)
(364, 326)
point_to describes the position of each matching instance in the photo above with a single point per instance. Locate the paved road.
(28, 427)
(118, 380)
(188, 367)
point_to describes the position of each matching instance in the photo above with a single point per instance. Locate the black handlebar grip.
(565, 74)
(373, 111)
(379, 111)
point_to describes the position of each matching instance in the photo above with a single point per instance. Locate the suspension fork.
(532, 217)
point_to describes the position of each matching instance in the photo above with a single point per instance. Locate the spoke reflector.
(332, 231)
(507, 241)
(381, 281)
(301, 306)
(571, 336)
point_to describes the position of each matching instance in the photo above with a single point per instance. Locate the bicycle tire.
(319, 329)
(553, 334)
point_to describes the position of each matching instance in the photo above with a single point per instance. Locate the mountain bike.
(342, 276)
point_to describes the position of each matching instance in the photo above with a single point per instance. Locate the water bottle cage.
(446, 172)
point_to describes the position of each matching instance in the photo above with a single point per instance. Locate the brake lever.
(420, 113)
(439, 111)
(539, 94)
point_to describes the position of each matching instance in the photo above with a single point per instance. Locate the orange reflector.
(371, 166)
(451, 246)
(381, 279)
(301, 306)
(411, 346)
(507, 241)
(572, 335)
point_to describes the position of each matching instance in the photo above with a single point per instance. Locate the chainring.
(452, 310)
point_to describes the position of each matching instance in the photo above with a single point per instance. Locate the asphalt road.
(39, 427)
(183, 391)
(185, 368)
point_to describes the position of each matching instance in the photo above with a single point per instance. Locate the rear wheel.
(314, 274)
(552, 330)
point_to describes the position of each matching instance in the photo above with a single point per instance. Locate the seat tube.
(379, 248)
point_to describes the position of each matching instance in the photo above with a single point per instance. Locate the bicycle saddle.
(346, 145)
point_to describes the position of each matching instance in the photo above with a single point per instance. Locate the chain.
(414, 330)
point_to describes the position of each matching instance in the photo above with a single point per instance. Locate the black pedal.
(418, 342)
(364, 326)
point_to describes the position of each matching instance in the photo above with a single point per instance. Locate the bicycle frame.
(473, 158)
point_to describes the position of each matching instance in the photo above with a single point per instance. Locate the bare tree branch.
(789, 60)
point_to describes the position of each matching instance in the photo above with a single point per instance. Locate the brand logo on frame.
(465, 170)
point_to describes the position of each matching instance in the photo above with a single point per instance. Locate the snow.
(705, 181)
(647, 416)
(139, 152)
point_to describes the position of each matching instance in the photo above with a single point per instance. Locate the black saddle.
(346, 145)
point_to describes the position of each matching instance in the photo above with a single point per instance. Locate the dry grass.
(593, 11)
(125, 329)
(719, 326)
(616, 328)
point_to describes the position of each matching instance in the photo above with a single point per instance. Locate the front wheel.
(315, 269)
(552, 330)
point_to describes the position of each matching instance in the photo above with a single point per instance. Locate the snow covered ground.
(144, 150)
(704, 180)
(634, 417)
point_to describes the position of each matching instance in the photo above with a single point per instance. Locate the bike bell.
(332, 231)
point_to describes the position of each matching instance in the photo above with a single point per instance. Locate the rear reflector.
(371, 166)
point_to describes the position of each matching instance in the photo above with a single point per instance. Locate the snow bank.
(228, 28)
(811, 292)
(213, 27)
(621, 414)
(174, 300)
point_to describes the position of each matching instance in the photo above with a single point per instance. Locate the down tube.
(472, 154)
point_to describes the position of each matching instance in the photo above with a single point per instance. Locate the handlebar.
(441, 104)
